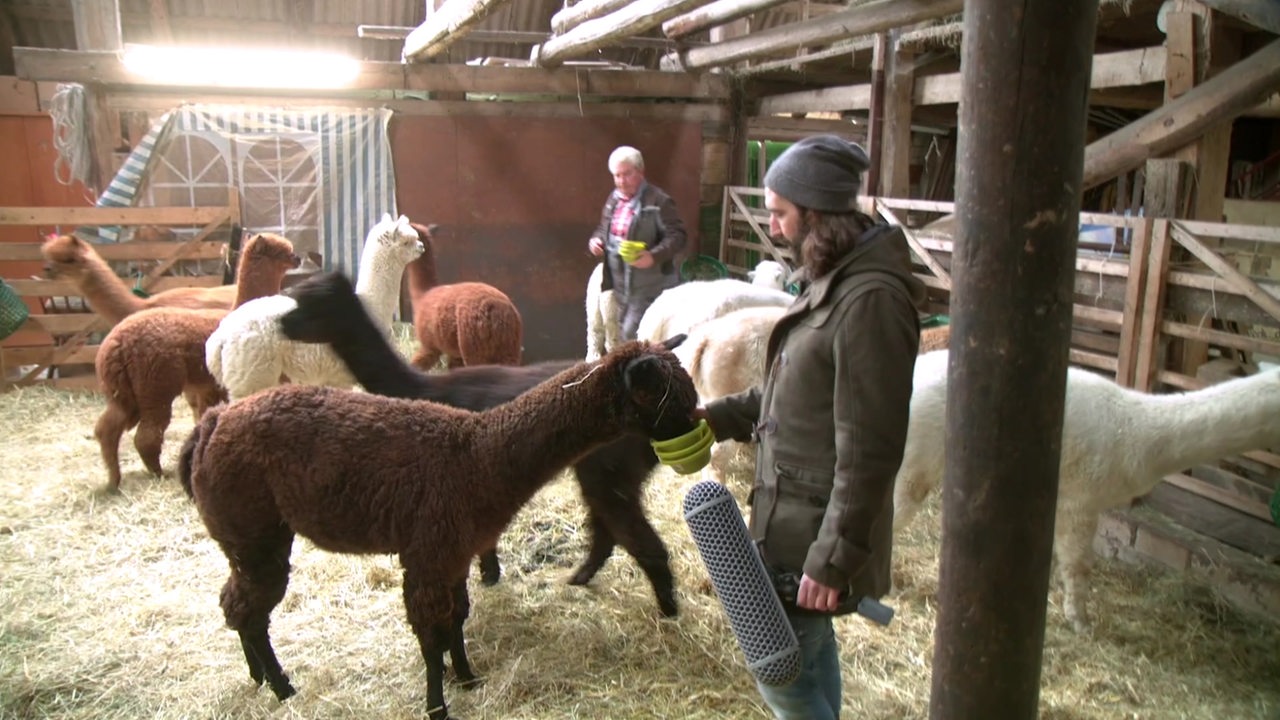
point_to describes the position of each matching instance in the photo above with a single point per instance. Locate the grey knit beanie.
(820, 172)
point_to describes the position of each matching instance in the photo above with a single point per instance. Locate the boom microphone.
(742, 583)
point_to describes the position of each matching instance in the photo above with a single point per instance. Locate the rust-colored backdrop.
(517, 197)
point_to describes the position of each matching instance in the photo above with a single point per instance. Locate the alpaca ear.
(644, 371)
(675, 341)
(386, 217)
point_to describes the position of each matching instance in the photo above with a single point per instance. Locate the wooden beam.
(572, 16)
(1263, 14)
(446, 26)
(895, 155)
(875, 130)
(773, 127)
(633, 19)
(97, 24)
(717, 13)
(838, 49)
(867, 19)
(110, 216)
(500, 37)
(160, 27)
(1222, 97)
(1109, 70)
(44, 64)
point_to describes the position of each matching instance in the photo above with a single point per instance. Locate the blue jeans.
(815, 694)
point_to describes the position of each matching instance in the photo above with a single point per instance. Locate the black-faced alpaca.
(471, 323)
(611, 477)
(155, 355)
(361, 473)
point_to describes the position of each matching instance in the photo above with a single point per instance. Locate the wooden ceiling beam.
(574, 15)
(1263, 14)
(713, 15)
(160, 21)
(633, 19)
(446, 26)
(44, 64)
(867, 19)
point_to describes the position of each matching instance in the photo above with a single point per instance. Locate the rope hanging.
(70, 134)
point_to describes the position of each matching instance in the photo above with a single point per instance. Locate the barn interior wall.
(517, 197)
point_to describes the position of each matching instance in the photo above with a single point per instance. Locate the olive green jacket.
(831, 418)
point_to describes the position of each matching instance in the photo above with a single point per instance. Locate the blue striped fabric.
(355, 182)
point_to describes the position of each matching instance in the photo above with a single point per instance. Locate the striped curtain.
(350, 148)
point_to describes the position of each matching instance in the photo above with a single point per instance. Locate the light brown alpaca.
(471, 323)
(67, 256)
(156, 354)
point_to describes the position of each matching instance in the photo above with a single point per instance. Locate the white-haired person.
(637, 213)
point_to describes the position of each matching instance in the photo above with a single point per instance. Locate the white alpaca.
(726, 356)
(769, 273)
(684, 307)
(248, 352)
(604, 330)
(1117, 444)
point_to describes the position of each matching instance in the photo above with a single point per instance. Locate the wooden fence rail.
(66, 329)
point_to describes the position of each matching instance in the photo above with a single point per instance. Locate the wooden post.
(895, 152)
(875, 130)
(1134, 290)
(866, 19)
(1013, 269)
(97, 24)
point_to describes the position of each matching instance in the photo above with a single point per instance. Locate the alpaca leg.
(259, 577)
(490, 569)
(602, 544)
(1073, 543)
(429, 607)
(617, 515)
(457, 646)
(909, 493)
(110, 426)
(149, 437)
(192, 396)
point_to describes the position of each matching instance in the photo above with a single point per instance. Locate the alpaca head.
(324, 301)
(269, 249)
(392, 238)
(660, 398)
(66, 256)
(769, 273)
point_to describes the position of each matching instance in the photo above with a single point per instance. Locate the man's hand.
(643, 261)
(596, 246)
(813, 595)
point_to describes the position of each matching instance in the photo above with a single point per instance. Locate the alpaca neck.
(106, 292)
(378, 287)
(545, 430)
(255, 280)
(370, 358)
(422, 273)
(1177, 431)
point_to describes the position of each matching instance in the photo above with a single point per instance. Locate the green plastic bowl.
(683, 442)
(674, 456)
(694, 463)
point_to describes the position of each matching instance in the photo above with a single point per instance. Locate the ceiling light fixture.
(240, 67)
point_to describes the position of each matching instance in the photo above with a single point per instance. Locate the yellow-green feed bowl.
(693, 463)
(683, 442)
(674, 456)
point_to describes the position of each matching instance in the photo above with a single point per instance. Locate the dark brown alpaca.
(67, 256)
(611, 477)
(471, 323)
(153, 356)
(361, 473)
